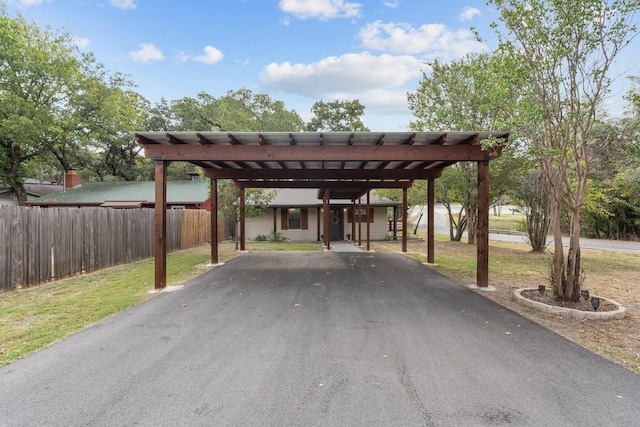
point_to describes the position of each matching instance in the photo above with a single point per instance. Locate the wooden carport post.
(161, 224)
(431, 220)
(242, 220)
(404, 219)
(214, 221)
(368, 220)
(482, 263)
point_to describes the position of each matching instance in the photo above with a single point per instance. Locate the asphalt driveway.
(318, 339)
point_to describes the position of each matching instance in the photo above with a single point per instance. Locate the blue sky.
(298, 51)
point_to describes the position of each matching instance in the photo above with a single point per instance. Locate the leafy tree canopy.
(337, 116)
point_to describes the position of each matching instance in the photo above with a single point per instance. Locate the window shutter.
(304, 218)
(284, 219)
(350, 215)
(370, 215)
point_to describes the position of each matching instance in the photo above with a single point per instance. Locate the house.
(128, 194)
(34, 189)
(297, 214)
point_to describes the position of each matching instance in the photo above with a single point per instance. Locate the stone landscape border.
(617, 314)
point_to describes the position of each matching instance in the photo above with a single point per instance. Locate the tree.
(256, 199)
(237, 111)
(533, 196)
(39, 71)
(468, 95)
(337, 116)
(567, 48)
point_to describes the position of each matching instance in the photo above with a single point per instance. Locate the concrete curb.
(618, 314)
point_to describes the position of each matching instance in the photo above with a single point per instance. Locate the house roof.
(35, 189)
(308, 197)
(126, 193)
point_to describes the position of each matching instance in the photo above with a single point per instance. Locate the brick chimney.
(72, 179)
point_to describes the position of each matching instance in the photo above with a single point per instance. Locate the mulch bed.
(550, 299)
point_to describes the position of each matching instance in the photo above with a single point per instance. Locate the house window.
(177, 207)
(362, 216)
(294, 219)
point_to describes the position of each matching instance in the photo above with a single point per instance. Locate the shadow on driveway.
(308, 338)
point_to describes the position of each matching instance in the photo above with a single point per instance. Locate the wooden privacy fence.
(38, 245)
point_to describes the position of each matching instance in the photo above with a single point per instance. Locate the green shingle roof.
(128, 191)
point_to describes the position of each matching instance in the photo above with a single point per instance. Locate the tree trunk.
(574, 273)
(21, 193)
(536, 194)
(558, 271)
(472, 223)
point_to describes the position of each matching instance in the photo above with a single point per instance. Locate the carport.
(341, 165)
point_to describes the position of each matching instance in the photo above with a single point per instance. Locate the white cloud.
(211, 56)
(124, 4)
(469, 13)
(182, 57)
(148, 52)
(375, 80)
(392, 4)
(429, 39)
(80, 41)
(321, 9)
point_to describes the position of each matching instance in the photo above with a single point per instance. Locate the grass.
(33, 318)
(507, 221)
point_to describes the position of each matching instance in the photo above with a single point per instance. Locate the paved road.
(441, 227)
(310, 339)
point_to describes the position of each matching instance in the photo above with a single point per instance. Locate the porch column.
(430, 220)
(353, 221)
(214, 221)
(404, 219)
(395, 223)
(275, 222)
(242, 233)
(161, 224)
(482, 267)
(318, 220)
(359, 221)
(368, 220)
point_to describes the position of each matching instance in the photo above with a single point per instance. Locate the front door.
(336, 224)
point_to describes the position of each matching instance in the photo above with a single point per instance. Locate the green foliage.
(229, 200)
(239, 111)
(274, 237)
(337, 116)
(60, 107)
(39, 74)
(468, 95)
